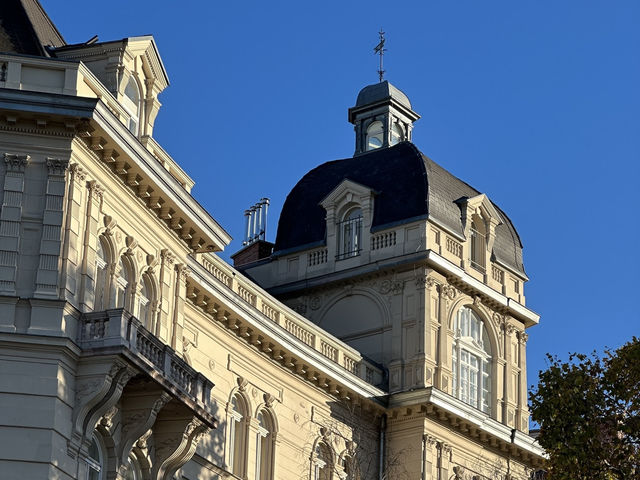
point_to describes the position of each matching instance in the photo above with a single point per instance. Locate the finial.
(379, 50)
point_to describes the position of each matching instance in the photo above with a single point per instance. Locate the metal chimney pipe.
(254, 221)
(264, 201)
(258, 231)
(247, 215)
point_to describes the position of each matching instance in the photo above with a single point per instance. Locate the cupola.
(382, 117)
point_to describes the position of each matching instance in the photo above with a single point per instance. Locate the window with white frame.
(397, 134)
(122, 281)
(321, 462)
(144, 302)
(350, 234)
(471, 360)
(237, 435)
(264, 447)
(131, 103)
(375, 135)
(101, 278)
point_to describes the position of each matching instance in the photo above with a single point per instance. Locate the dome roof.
(379, 92)
(408, 186)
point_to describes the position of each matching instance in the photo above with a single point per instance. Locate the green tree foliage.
(589, 414)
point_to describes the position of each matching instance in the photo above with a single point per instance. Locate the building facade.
(130, 350)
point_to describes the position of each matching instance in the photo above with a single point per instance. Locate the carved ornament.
(79, 174)
(167, 257)
(16, 163)
(57, 166)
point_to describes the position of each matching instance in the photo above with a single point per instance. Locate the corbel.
(97, 143)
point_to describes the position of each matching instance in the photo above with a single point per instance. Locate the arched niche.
(359, 318)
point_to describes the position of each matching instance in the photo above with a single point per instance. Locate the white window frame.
(471, 380)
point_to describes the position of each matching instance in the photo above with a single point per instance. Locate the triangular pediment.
(346, 191)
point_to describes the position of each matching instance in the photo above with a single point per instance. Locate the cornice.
(431, 402)
(259, 324)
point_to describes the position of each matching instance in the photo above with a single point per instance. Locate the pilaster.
(74, 220)
(48, 273)
(181, 275)
(522, 417)
(10, 218)
(87, 294)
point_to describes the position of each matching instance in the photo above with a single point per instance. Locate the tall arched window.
(350, 232)
(101, 278)
(95, 460)
(144, 301)
(264, 447)
(321, 462)
(131, 103)
(375, 136)
(122, 282)
(238, 423)
(472, 360)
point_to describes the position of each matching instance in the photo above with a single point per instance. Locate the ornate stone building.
(130, 350)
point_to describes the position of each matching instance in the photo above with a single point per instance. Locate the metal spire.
(379, 50)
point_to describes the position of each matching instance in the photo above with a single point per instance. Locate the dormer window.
(350, 232)
(131, 103)
(478, 245)
(375, 136)
(397, 135)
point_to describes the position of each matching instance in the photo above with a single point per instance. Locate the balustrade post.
(166, 364)
(117, 328)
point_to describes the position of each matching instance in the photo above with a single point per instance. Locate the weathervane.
(379, 50)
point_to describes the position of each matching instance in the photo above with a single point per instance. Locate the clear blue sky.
(535, 104)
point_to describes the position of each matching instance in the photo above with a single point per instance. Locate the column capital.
(15, 162)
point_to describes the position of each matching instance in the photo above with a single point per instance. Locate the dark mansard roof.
(408, 186)
(25, 28)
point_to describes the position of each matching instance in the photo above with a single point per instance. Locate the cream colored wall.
(300, 409)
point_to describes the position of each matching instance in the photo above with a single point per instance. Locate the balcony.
(117, 332)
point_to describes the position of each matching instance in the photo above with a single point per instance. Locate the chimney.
(255, 246)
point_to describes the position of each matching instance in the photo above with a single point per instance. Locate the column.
(48, 272)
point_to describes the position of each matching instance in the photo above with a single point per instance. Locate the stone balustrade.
(109, 329)
(298, 326)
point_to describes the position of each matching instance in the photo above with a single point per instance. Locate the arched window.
(321, 462)
(264, 447)
(375, 136)
(144, 301)
(472, 360)
(238, 423)
(131, 103)
(101, 278)
(122, 282)
(350, 233)
(95, 460)
(478, 245)
(397, 135)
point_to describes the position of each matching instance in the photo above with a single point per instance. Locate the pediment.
(481, 205)
(347, 191)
